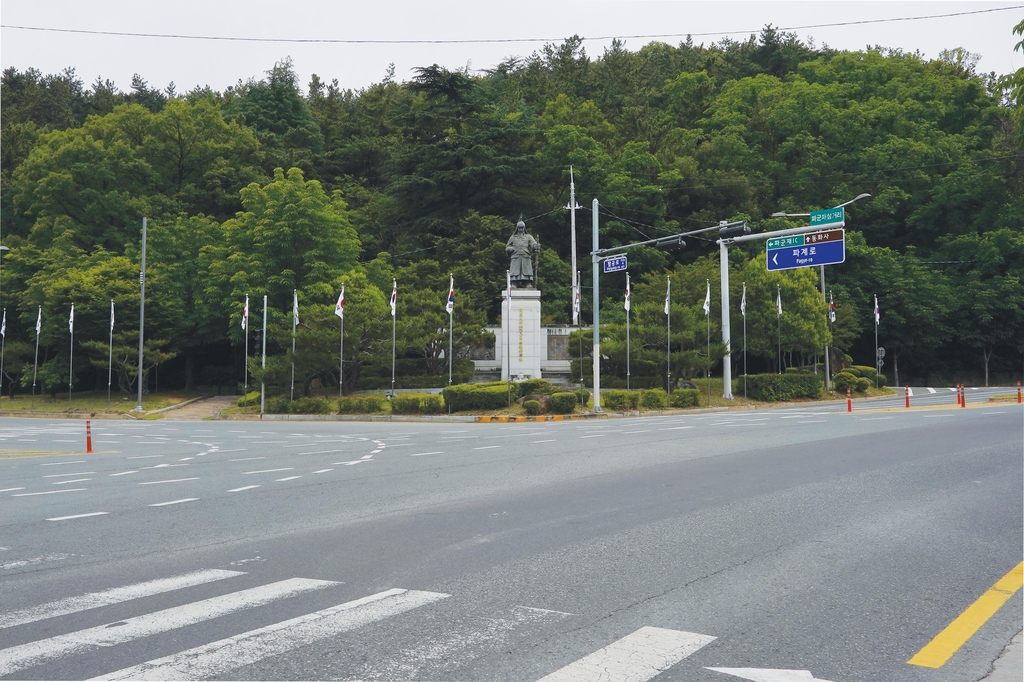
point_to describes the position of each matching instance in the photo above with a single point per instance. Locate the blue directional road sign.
(614, 264)
(807, 250)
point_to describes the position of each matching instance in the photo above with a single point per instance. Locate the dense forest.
(270, 187)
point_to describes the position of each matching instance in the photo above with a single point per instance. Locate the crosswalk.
(636, 657)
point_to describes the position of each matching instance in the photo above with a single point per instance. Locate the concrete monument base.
(525, 337)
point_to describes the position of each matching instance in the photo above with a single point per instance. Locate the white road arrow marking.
(769, 675)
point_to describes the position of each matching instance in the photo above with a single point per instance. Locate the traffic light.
(735, 230)
(670, 243)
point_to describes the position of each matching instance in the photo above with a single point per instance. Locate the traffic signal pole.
(723, 254)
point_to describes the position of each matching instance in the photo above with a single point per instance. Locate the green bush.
(779, 387)
(360, 404)
(685, 397)
(431, 404)
(405, 404)
(653, 399)
(862, 385)
(881, 379)
(865, 371)
(277, 405)
(532, 407)
(534, 386)
(844, 380)
(582, 397)
(621, 400)
(492, 396)
(852, 370)
(310, 405)
(251, 398)
(563, 403)
(412, 373)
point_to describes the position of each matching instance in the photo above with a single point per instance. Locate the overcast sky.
(219, 63)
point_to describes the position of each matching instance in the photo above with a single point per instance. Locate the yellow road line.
(942, 647)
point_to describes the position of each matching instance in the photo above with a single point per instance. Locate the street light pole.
(595, 258)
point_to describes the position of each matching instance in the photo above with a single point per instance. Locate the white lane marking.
(245, 459)
(353, 462)
(244, 487)
(873, 419)
(813, 421)
(993, 413)
(932, 390)
(144, 457)
(320, 452)
(952, 389)
(322, 471)
(770, 674)
(125, 473)
(24, 656)
(550, 440)
(421, 454)
(596, 435)
(216, 658)
(972, 388)
(57, 440)
(185, 459)
(287, 478)
(7, 490)
(74, 480)
(170, 480)
(80, 473)
(641, 431)
(65, 518)
(49, 492)
(675, 428)
(164, 504)
(235, 450)
(910, 391)
(534, 608)
(639, 656)
(31, 562)
(487, 447)
(57, 464)
(267, 471)
(374, 452)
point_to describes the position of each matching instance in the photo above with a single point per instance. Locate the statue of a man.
(521, 247)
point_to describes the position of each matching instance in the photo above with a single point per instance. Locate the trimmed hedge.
(653, 399)
(282, 405)
(863, 384)
(780, 387)
(532, 407)
(621, 400)
(417, 403)
(563, 403)
(534, 386)
(582, 397)
(360, 404)
(844, 380)
(492, 396)
(250, 398)
(685, 397)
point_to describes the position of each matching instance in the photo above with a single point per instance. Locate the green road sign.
(829, 217)
(785, 242)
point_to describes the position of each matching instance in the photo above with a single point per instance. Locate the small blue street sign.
(614, 264)
(807, 255)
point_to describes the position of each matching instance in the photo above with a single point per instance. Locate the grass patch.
(90, 402)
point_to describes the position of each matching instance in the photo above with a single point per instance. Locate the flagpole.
(35, 363)
(577, 306)
(744, 340)
(295, 311)
(451, 318)
(394, 316)
(508, 336)
(3, 346)
(707, 314)
(876, 341)
(341, 352)
(668, 335)
(245, 388)
(263, 365)
(110, 353)
(142, 312)
(627, 331)
(71, 353)
(779, 317)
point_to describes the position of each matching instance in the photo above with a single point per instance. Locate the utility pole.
(596, 259)
(142, 309)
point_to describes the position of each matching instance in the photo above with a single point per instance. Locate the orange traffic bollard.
(908, 395)
(963, 396)
(849, 401)
(1018, 393)
(88, 436)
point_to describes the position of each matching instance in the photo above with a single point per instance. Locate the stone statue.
(521, 247)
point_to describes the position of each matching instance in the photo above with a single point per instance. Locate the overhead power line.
(365, 41)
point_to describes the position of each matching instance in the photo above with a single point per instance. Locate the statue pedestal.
(524, 337)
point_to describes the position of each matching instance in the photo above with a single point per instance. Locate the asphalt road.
(623, 549)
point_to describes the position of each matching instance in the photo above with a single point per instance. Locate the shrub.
(492, 396)
(862, 385)
(563, 403)
(621, 400)
(852, 370)
(778, 387)
(277, 405)
(685, 397)
(653, 399)
(531, 386)
(582, 397)
(405, 404)
(252, 398)
(864, 371)
(431, 404)
(310, 406)
(881, 379)
(844, 380)
(532, 407)
(360, 404)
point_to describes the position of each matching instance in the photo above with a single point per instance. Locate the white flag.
(394, 296)
(339, 307)
(71, 320)
(39, 320)
(450, 304)
(295, 307)
(3, 325)
(877, 316)
(707, 300)
(831, 308)
(778, 302)
(743, 301)
(508, 281)
(245, 313)
(668, 294)
(576, 305)
(627, 293)
(111, 314)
